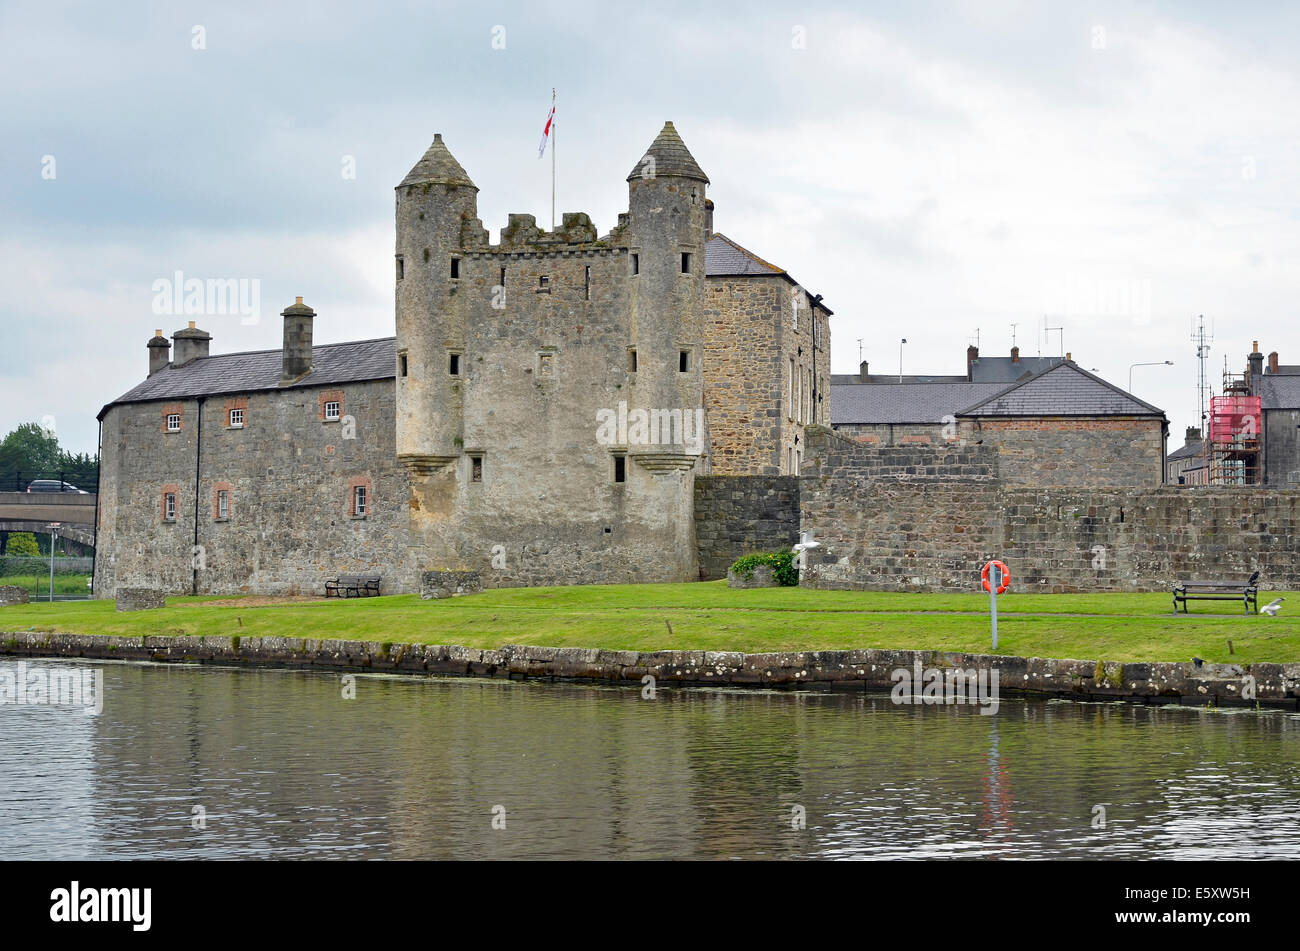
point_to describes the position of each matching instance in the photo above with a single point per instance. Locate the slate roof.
(332, 363)
(438, 167)
(671, 156)
(1279, 391)
(1002, 370)
(862, 403)
(725, 258)
(1190, 449)
(1063, 390)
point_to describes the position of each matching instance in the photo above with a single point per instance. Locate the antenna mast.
(1202, 341)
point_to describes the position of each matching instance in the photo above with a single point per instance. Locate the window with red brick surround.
(362, 482)
(175, 492)
(331, 396)
(173, 409)
(238, 419)
(217, 489)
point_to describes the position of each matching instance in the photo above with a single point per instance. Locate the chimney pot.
(1069, 357)
(862, 372)
(297, 300)
(1255, 346)
(1015, 354)
(191, 325)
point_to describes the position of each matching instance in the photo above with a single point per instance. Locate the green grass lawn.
(63, 584)
(711, 616)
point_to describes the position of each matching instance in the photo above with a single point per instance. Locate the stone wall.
(1064, 451)
(898, 434)
(742, 515)
(290, 473)
(922, 518)
(1282, 448)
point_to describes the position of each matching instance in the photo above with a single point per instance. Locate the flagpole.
(552, 160)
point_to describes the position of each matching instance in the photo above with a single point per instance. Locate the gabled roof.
(1005, 370)
(1062, 390)
(725, 258)
(437, 167)
(1190, 449)
(671, 157)
(876, 403)
(1278, 391)
(254, 370)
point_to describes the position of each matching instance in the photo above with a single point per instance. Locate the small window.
(223, 503)
(359, 501)
(169, 506)
(683, 361)
(453, 364)
(455, 268)
(236, 418)
(173, 422)
(331, 409)
(502, 282)
(620, 469)
(631, 359)
(543, 285)
(636, 264)
(586, 283)
(475, 468)
(545, 366)
(686, 263)
(401, 267)
(401, 364)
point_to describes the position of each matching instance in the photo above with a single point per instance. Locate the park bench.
(1247, 592)
(353, 586)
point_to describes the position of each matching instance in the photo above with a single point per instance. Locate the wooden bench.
(1247, 592)
(353, 586)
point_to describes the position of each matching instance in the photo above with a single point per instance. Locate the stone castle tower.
(549, 395)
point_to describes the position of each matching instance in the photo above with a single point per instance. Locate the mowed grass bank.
(711, 616)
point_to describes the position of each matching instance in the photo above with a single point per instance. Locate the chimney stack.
(708, 218)
(862, 372)
(1015, 354)
(1272, 362)
(1069, 358)
(297, 341)
(1193, 434)
(160, 352)
(972, 354)
(190, 343)
(1256, 362)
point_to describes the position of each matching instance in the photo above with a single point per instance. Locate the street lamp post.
(1158, 363)
(54, 531)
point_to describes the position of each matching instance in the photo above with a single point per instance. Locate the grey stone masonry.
(140, 599)
(743, 515)
(13, 594)
(449, 584)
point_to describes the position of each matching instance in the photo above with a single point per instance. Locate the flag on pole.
(546, 133)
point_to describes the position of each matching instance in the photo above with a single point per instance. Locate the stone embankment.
(1273, 685)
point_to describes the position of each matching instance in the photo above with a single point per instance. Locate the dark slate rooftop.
(1279, 391)
(1003, 370)
(437, 167)
(1063, 390)
(725, 258)
(254, 370)
(671, 156)
(1183, 452)
(866, 403)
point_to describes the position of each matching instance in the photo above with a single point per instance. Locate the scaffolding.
(1233, 447)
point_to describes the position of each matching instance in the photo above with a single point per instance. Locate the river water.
(190, 762)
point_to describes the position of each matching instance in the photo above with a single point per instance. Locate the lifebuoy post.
(995, 578)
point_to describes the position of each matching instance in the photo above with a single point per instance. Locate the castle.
(540, 417)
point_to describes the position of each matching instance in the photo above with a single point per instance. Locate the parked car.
(54, 485)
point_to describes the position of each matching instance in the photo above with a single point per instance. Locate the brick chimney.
(1015, 354)
(1272, 362)
(1256, 362)
(190, 343)
(160, 352)
(972, 354)
(862, 372)
(297, 341)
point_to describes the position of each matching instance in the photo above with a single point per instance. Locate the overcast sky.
(931, 169)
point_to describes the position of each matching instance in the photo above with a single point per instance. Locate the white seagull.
(806, 543)
(1272, 607)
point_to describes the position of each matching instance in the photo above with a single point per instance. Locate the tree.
(22, 545)
(30, 452)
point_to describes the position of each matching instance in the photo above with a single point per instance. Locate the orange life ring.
(1005, 576)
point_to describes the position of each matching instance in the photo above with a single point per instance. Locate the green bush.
(22, 545)
(781, 563)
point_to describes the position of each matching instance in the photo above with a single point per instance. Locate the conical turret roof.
(438, 167)
(671, 156)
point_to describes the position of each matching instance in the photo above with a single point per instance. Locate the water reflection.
(284, 767)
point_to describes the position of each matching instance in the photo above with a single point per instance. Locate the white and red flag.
(546, 133)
